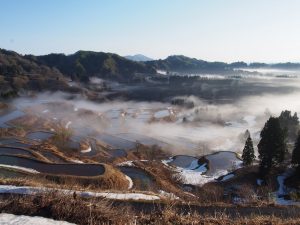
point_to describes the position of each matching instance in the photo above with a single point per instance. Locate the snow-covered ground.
(168, 195)
(126, 163)
(130, 182)
(282, 190)
(10, 219)
(227, 177)
(19, 168)
(68, 124)
(89, 149)
(28, 190)
(259, 182)
(197, 175)
(76, 161)
(162, 114)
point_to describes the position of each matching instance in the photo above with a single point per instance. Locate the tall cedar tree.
(296, 152)
(290, 124)
(272, 146)
(248, 152)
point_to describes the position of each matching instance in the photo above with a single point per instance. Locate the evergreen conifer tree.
(248, 152)
(296, 153)
(272, 146)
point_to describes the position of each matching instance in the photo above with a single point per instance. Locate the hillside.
(17, 72)
(84, 64)
(180, 63)
(53, 71)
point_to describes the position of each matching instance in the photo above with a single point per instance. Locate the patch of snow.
(89, 149)
(46, 110)
(130, 183)
(125, 196)
(227, 177)
(196, 177)
(20, 168)
(167, 161)
(168, 195)
(194, 164)
(126, 163)
(76, 161)
(27, 190)
(282, 190)
(162, 114)
(259, 182)
(280, 180)
(201, 169)
(10, 219)
(68, 124)
(163, 72)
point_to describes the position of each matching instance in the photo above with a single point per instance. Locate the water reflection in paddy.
(52, 157)
(14, 151)
(13, 142)
(222, 161)
(56, 169)
(39, 135)
(116, 153)
(133, 137)
(141, 179)
(115, 142)
(10, 116)
(183, 161)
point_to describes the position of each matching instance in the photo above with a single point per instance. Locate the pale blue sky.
(223, 30)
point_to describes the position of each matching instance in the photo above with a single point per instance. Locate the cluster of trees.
(272, 147)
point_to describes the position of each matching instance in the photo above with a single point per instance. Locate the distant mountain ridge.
(52, 71)
(138, 58)
(84, 64)
(181, 63)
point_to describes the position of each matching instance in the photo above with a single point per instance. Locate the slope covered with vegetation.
(84, 64)
(18, 72)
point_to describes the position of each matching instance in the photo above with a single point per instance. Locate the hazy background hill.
(138, 58)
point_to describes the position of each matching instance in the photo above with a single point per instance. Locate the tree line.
(272, 147)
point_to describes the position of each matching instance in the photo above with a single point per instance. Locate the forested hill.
(183, 64)
(17, 72)
(84, 64)
(180, 63)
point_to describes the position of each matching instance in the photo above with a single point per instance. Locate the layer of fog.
(272, 71)
(197, 131)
